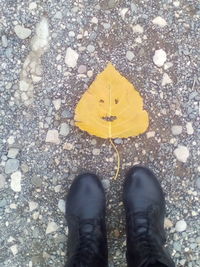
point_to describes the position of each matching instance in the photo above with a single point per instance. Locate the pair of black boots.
(145, 211)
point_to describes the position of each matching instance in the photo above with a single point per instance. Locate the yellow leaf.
(111, 107)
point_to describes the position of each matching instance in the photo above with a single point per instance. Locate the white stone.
(35, 215)
(32, 205)
(159, 21)
(51, 227)
(36, 78)
(22, 32)
(176, 129)
(71, 58)
(41, 39)
(11, 239)
(138, 29)
(11, 140)
(130, 55)
(166, 79)
(57, 188)
(12, 152)
(90, 73)
(2, 181)
(71, 34)
(150, 134)
(181, 226)
(123, 12)
(52, 137)
(181, 153)
(16, 181)
(57, 103)
(189, 128)
(61, 205)
(176, 3)
(68, 146)
(94, 20)
(168, 223)
(14, 249)
(96, 151)
(13, 206)
(138, 40)
(32, 5)
(64, 129)
(159, 57)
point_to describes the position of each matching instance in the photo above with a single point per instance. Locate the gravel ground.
(50, 53)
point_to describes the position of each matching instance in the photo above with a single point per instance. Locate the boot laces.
(143, 235)
(87, 249)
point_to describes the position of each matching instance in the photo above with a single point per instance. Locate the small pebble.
(123, 12)
(130, 55)
(16, 181)
(2, 181)
(57, 103)
(71, 34)
(159, 57)
(14, 249)
(181, 153)
(11, 166)
(24, 167)
(82, 69)
(138, 29)
(52, 137)
(168, 223)
(51, 227)
(177, 246)
(22, 32)
(94, 20)
(176, 3)
(159, 21)
(166, 79)
(61, 205)
(176, 129)
(118, 141)
(11, 140)
(94, 142)
(71, 57)
(189, 128)
(150, 134)
(32, 5)
(3, 203)
(181, 226)
(96, 151)
(90, 48)
(64, 129)
(12, 153)
(66, 114)
(106, 26)
(32, 205)
(68, 146)
(36, 180)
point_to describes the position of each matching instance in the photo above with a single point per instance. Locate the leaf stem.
(118, 159)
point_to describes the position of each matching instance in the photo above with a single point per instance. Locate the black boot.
(85, 213)
(145, 212)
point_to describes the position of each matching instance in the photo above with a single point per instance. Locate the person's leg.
(145, 211)
(85, 213)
